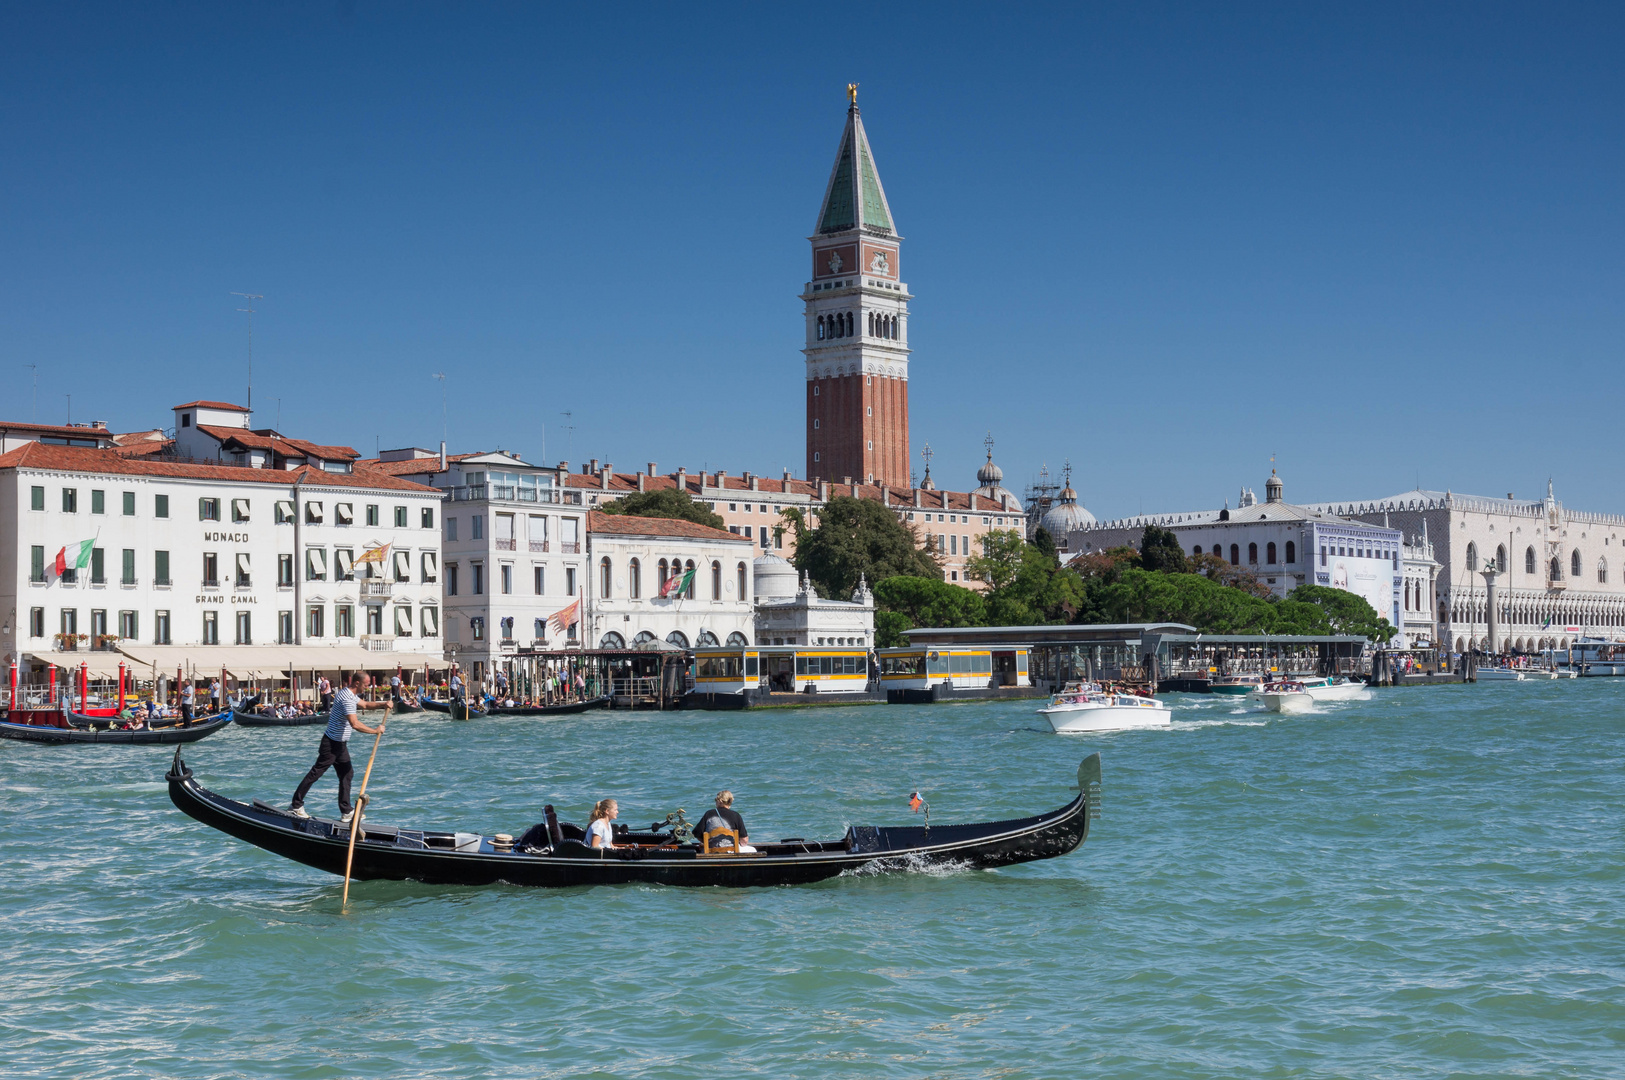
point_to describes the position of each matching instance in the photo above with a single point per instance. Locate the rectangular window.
(127, 571)
(70, 622)
(284, 628)
(569, 581)
(507, 578)
(160, 568)
(284, 571)
(478, 625)
(372, 513)
(129, 504)
(211, 628)
(36, 622)
(316, 564)
(98, 566)
(160, 506)
(211, 570)
(748, 535)
(953, 545)
(403, 622)
(98, 501)
(36, 563)
(129, 625)
(570, 536)
(36, 498)
(431, 622)
(208, 509)
(375, 620)
(478, 576)
(314, 621)
(451, 579)
(343, 514)
(245, 628)
(344, 564)
(476, 527)
(313, 513)
(244, 577)
(430, 572)
(403, 566)
(284, 512)
(451, 528)
(426, 517)
(98, 628)
(1323, 554)
(239, 509)
(160, 628)
(400, 517)
(344, 623)
(540, 574)
(70, 500)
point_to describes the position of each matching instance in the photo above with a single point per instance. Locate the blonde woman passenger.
(726, 817)
(599, 833)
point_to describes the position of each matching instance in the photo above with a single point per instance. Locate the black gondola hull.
(388, 853)
(165, 736)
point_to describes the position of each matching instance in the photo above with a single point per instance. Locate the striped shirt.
(345, 704)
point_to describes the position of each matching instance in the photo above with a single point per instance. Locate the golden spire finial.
(852, 92)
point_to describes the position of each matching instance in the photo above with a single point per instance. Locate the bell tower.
(857, 325)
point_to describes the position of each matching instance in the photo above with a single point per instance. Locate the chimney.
(823, 491)
(720, 475)
(885, 495)
(603, 478)
(442, 455)
(756, 483)
(564, 467)
(592, 466)
(682, 479)
(786, 476)
(652, 469)
(641, 481)
(847, 480)
(973, 500)
(917, 503)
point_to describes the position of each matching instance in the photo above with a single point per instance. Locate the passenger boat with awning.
(552, 853)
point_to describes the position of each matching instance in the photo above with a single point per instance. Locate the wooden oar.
(361, 803)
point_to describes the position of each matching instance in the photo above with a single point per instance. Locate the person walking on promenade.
(334, 750)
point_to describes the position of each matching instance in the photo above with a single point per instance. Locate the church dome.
(775, 579)
(1066, 515)
(991, 477)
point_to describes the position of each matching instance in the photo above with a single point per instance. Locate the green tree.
(928, 601)
(859, 537)
(1043, 542)
(890, 629)
(1345, 612)
(1025, 586)
(1159, 550)
(664, 503)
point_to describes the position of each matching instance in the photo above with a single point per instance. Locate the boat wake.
(911, 864)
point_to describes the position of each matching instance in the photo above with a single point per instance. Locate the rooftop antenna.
(250, 297)
(443, 422)
(278, 414)
(569, 432)
(70, 409)
(33, 401)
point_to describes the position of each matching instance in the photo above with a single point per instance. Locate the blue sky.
(1381, 243)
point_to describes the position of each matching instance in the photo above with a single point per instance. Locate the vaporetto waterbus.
(783, 669)
(964, 667)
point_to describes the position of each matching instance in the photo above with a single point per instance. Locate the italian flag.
(675, 585)
(74, 556)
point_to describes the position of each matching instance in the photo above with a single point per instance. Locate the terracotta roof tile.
(625, 525)
(118, 463)
(69, 431)
(212, 405)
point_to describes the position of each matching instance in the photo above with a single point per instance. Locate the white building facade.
(633, 558)
(789, 610)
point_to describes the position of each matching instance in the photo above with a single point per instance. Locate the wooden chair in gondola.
(718, 833)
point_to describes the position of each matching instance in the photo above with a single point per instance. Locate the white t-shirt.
(600, 829)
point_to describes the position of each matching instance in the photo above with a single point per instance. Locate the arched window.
(850, 324)
(1197, 550)
(605, 578)
(1218, 552)
(1602, 571)
(1235, 554)
(1269, 553)
(634, 579)
(688, 593)
(820, 328)
(1252, 554)
(894, 327)
(1472, 557)
(716, 581)
(612, 640)
(1557, 568)
(643, 638)
(736, 638)
(743, 591)
(664, 575)
(1501, 558)
(706, 640)
(1291, 552)
(677, 638)
(1574, 564)
(1529, 560)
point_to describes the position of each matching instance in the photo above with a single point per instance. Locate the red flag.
(61, 562)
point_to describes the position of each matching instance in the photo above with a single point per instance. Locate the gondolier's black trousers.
(331, 755)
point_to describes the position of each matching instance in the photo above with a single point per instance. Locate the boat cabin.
(962, 666)
(783, 669)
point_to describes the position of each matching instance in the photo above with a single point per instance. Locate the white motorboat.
(1509, 674)
(1089, 707)
(1297, 695)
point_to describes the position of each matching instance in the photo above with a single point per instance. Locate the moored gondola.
(47, 732)
(406, 704)
(462, 710)
(552, 854)
(432, 705)
(549, 710)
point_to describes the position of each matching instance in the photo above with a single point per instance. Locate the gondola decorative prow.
(1089, 783)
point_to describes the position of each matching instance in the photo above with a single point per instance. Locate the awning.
(269, 661)
(102, 665)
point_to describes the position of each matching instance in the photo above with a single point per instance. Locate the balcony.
(244, 581)
(570, 548)
(375, 590)
(211, 583)
(514, 493)
(505, 545)
(538, 545)
(377, 642)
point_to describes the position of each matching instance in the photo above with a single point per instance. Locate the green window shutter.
(128, 577)
(160, 568)
(36, 560)
(36, 498)
(98, 501)
(129, 504)
(98, 566)
(203, 509)
(160, 506)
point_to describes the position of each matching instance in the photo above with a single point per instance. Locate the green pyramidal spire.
(854, 197)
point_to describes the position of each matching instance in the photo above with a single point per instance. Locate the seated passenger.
(599, 834)
(724, 816)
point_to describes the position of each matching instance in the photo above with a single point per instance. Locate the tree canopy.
(859, 537)
(904, 602)
(664, 503)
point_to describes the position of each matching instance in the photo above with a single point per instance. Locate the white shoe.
(298, 812)
(346, 816)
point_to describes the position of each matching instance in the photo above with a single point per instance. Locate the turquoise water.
(1425, 884)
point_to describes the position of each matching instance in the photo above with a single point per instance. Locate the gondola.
(548, 710)
(432, 705)
(462, 710)
(552, 854)
(164, 736)
(407, 704)
(103, 719)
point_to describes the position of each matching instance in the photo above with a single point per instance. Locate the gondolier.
(334, 750)
(187, 698)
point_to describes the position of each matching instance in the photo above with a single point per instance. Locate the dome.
(990, 475)
(1066, 515)
(775, 578)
